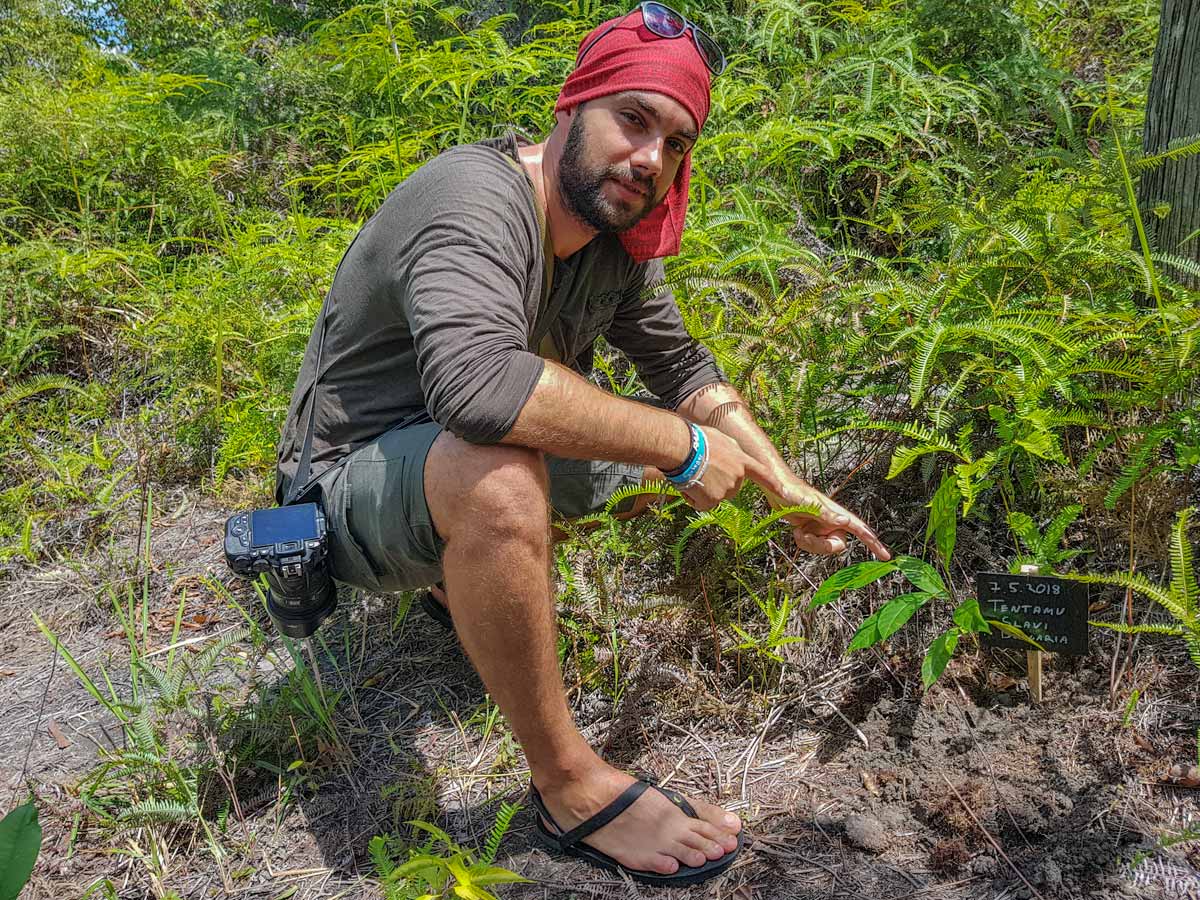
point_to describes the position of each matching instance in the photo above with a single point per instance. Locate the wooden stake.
(1033, 658)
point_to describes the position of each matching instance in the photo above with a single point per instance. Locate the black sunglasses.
(664, 22)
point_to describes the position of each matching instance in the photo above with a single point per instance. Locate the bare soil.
(852, 783)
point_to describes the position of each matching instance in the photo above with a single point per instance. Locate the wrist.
(693, 439)
(788, 480)
(694, 467)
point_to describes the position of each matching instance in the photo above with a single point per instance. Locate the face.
(620, 157)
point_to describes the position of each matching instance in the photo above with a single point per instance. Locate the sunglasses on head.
(664, 22)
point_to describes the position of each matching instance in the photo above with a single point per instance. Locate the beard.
(582, 188)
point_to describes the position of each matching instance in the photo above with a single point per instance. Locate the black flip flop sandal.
(571, 842)
(434, 609)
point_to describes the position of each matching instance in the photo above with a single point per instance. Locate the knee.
(494, 490)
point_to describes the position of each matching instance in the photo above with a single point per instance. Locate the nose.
(647, 159)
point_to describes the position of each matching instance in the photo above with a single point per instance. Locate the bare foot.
(653, 834)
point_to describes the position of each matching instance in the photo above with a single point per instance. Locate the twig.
(862, 737)
(766, 845)
(38, 724)
(716, 762)
(937, 887)
(991, 840)
(194, 640)
(772, 717)
(713, 624)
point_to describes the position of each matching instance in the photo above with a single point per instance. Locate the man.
(440, 440)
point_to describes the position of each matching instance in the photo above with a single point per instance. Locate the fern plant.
(738, 525)
(1043, 546)
(1180, 598)
(440, 867)
(776, 605)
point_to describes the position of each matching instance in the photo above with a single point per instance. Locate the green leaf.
(433, 830)
(906, 456)
(20, 841)
(922, 575)
(1183, 579)
(848, 579)
(1023, 527)
(887, 620)
(923, 361)
(969, 618)
(943, 517)
(1041, 443)
(497, 875)
(938, 656)
(1014, 631)
(416, 866)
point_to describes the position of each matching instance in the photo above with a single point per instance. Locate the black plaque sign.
(1052, 611)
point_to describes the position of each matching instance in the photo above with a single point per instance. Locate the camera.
(290, 545)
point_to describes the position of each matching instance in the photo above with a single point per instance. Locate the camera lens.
(298, 604)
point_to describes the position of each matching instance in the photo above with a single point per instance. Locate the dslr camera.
(290, 545)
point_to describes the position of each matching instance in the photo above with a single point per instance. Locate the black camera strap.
(300, 482)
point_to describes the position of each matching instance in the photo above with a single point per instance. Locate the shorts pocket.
(389, 517)
(349, 561)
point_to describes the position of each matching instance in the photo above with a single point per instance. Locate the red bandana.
(633, 58)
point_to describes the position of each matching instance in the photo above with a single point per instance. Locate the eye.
(633, 118)
(678, 146)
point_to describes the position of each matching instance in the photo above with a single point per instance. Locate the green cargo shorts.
(381, 534)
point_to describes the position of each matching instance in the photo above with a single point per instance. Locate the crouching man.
(449, 416)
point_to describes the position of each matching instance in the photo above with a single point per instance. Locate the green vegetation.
(913, 245)
(432, 871)
(20, 840)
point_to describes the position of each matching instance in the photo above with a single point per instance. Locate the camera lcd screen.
(287, 523)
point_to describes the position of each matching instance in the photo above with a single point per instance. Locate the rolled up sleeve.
(464, 303)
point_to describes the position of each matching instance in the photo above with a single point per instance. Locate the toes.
(710, 848)
(688, 855)
(719, 818)
(664, 865)
(705, 833)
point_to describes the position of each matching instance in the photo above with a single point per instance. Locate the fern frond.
(1023, 527)
(153, 812)
(1178, 149)
(499, 828)
(1124, 628)
(1060, 523)
(33, 386)
(1139, 461)
(1183, 579)
(923, 362)
(628, 491)
(1139, 584)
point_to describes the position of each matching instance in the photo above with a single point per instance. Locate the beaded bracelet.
(695, 435)
(697, 463)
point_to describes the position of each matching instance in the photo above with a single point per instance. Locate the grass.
(913, 246)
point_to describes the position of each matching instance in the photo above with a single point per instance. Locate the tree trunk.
(1172, 112)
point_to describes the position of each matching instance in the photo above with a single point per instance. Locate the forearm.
(720, 406)
(570, 417)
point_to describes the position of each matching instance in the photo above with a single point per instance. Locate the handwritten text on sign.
(1052, 611)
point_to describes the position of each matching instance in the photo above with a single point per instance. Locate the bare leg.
(557, 535)
(490, 504)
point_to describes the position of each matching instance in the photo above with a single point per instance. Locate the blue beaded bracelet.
(696, 463)
(695, 435)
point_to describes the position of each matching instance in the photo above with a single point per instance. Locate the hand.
(826, 533)
(728, 467)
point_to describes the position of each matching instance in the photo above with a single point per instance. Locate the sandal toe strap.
(678, 800)
(595, 823)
